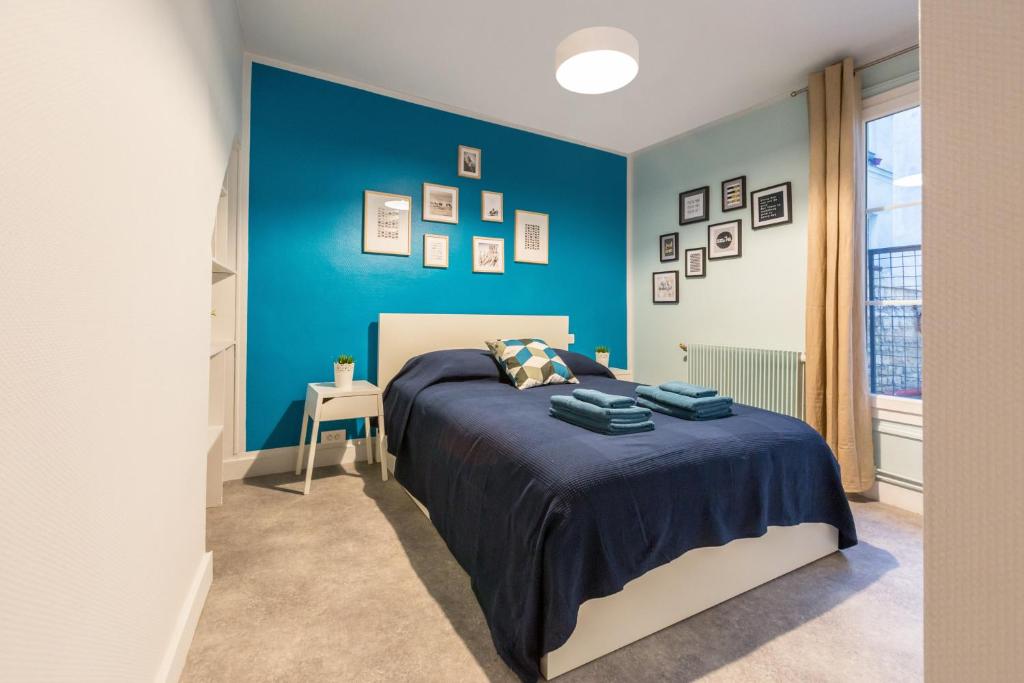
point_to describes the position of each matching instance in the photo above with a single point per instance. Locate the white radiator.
(773, 380)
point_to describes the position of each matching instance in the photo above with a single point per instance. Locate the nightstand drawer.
(344, 407)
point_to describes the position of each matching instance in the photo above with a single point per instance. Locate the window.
(892, 222)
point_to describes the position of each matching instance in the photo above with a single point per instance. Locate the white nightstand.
(624, 375)
(324, 401)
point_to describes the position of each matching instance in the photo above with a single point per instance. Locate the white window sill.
(894, 409)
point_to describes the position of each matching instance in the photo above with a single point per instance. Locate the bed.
(577, 544)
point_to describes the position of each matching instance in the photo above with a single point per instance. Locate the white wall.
(116, 123)
(972, 109)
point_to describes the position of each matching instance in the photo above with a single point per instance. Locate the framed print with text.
(693, 205)
(771, 206)
(668, 247)
(696, 262)
(435, 251)
(724, 240)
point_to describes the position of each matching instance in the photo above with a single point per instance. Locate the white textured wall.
(116, 120)
(973, 119)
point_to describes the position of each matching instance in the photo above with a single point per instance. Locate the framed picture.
(665, 287)
(669, 246)
(387, 220)
(531, 237)
(435, 251)
(771, 206)
(492, 206)
(724, 240)
(488, 255)
(693, 205)
(469, 162)
(696, 260)
(734, 194)
(440, 203)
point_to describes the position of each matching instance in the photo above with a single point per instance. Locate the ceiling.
(699, 60)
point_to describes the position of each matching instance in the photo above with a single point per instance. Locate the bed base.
(656, 600)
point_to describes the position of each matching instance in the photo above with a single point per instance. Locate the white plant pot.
(343, 376)
(602, 358)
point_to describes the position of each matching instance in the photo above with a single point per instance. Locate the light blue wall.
(756, 300)
(315, 146)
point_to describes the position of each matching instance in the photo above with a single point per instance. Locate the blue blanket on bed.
(543, 515)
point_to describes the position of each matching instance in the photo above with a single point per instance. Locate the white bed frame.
(699, 579)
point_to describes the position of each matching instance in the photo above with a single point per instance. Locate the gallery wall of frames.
(769, 207)
(361, 204)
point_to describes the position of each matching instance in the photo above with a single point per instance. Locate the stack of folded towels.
(601, 412)
(686, 401)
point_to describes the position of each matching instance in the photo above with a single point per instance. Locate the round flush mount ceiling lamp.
(597, 60)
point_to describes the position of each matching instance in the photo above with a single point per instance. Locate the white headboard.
(401, 336)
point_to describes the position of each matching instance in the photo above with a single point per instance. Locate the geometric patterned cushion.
(531, 363)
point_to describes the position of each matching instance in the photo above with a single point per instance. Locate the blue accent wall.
(315, 146)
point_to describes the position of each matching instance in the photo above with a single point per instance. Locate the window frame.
(884, 407)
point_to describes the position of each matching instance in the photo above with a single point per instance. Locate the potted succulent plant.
(344, 368)
(602, 353)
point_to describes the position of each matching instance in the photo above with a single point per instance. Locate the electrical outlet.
(333, 438)
(572, 338)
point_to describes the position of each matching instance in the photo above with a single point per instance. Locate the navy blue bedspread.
(544, 515)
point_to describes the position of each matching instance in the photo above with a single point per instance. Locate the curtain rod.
(870, 64)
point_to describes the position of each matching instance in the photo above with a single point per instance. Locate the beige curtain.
(836, 391)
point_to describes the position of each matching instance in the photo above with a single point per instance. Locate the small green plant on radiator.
(602, 353)
(344, 369)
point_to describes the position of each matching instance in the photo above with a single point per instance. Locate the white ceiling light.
(597, 60)
(913, 180)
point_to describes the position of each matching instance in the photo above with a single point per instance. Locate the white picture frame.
(387, 223)
(531, 237)
(470, 161)
(492, 206)
(488, 255)
(440, 203)
(435, 251)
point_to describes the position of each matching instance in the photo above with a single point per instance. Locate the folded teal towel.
(599, 426)
(589, 410)
(599, 398)
(687, 389)
(715, 414)
(673, 400)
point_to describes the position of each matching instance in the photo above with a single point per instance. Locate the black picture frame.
(654, 285)
(670, 237)
(742, 180)
(703, 262)
(787, 189)
(739, 240)
(705, 193)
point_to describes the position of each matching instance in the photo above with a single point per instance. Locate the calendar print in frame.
(531, 241)
(387, 223)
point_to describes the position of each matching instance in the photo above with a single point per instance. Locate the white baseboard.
(897, 496)
(277, 460)
(185, 626)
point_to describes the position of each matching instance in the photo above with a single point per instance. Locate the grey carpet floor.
(352, 583)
